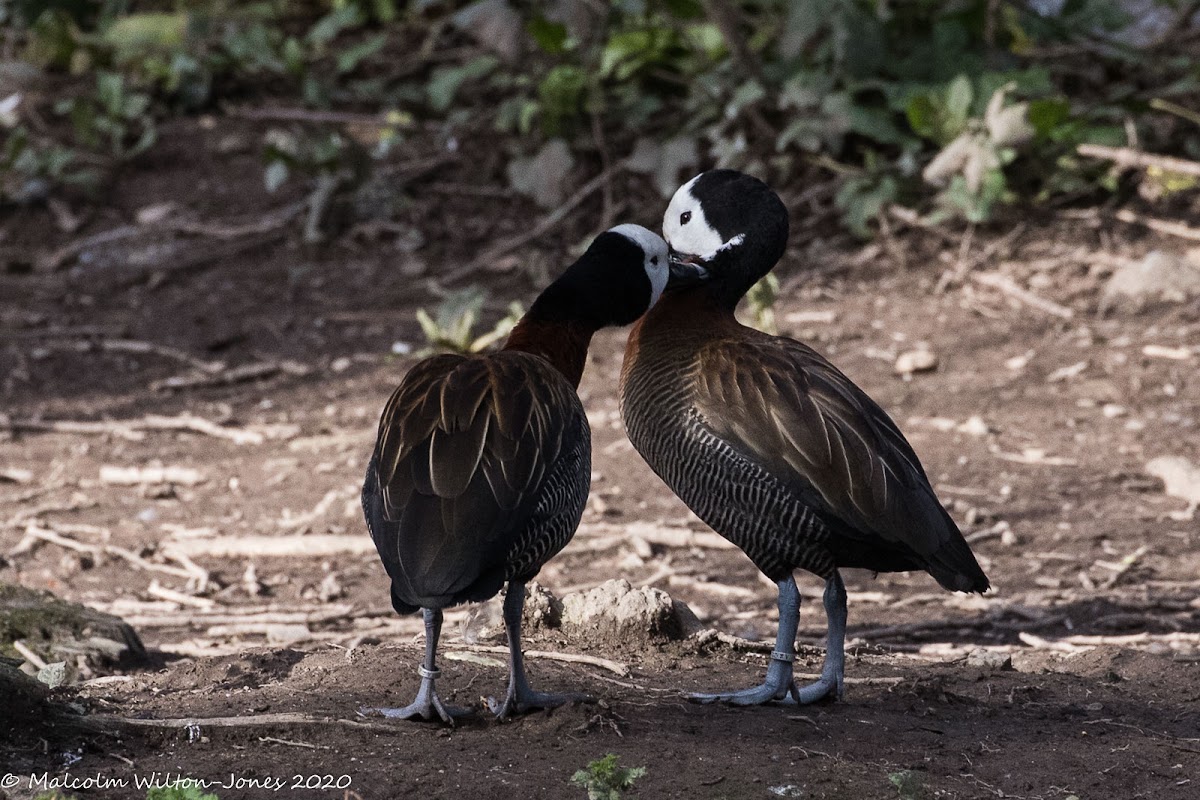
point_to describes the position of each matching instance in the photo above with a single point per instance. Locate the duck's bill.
(686, 269)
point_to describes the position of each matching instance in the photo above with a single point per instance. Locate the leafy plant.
(908, 784)
(186, 791)
(115, 119)
(453, 327)
(605, 779)
(761, 304)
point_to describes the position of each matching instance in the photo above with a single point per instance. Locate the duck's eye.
(654, 260)
(685, 218)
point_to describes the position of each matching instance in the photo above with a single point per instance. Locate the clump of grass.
(908, 784)
(761, 304)
(453, 327)
(185, 792)
(605, 779)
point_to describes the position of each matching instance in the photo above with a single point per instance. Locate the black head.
(617, 280)
(726, 230)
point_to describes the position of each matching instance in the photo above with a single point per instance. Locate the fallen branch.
(614, 667)
(136, 561)
(227, 617)
(134, 429)
(136, 347)
(315, 546)
(248, 721)
(1160, 225)
(1008, 287)
(544, 225)
(140, 476)
(240, 374)
(1128, 158)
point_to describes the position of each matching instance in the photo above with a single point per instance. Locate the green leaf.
(1047, 114)
(136, 36)
(351, 57)
(923, 117)
(958, 101)
(551, 37)
(332, 24)
(446, 81)
(561, 93)
(862, 199)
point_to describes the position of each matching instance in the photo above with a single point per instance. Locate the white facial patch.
(687, 230)
(655, 250)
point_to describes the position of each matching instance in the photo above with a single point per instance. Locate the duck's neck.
(564, 343)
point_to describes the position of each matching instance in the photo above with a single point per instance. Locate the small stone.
(618, 607)
(340, 364)
(288, 634)
(913, 361)
(974, 426)
(1112, 410)
(156, 212)
(989, 659)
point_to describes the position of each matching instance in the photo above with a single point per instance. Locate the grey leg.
(521, 697)
(427, 704)
(780, 685)
(833, 670)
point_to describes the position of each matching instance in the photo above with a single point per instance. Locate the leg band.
(431, 674)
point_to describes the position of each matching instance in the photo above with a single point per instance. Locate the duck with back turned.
(768, 442)
(482, 464)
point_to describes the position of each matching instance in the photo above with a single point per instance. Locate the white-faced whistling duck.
(482, 464)
(768, 442)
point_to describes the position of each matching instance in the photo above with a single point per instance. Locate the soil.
(1049, 481)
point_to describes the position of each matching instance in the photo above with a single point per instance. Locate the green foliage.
(761, 304)
(453, 327)
(908, 784)
(190, 791)
(114, 119)
(955, 107)
(605, 779)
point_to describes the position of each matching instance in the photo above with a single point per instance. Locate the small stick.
(1006, 285)
(29, 655)
(240, 374)
(47, 535)
(290, 743)
(1129, 158)
(163, 593)
(1160, 225)
(614, 667)
(137, 476)
(544, 225)
(139, 348)
(248, 721)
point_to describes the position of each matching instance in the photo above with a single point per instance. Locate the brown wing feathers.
(463, 446)
(812, 428)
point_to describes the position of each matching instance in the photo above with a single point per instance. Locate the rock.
(485, 621)
(616, 607)
(916, 361)
(1181, 478)
(989, 659)
(1158, 276)
(61, 631)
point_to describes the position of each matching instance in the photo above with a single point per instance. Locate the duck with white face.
(482, 464)
(768, 442)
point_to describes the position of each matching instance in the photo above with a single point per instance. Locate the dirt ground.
(1035, 426)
